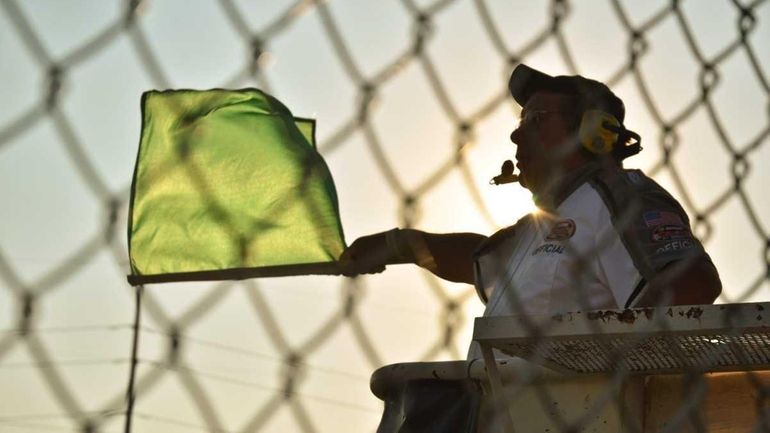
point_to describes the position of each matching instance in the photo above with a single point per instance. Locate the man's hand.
(367, 255)
(448, 256)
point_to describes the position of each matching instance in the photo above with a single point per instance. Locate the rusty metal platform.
(647, 340)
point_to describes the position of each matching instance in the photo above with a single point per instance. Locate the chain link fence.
(411, 101)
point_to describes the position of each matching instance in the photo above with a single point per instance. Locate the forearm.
(448, 256)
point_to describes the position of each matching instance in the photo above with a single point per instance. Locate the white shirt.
(597, 248)
(569, 260)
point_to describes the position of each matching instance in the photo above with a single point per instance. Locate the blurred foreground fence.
(409, 96)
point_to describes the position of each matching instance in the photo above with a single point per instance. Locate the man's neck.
(563, 183)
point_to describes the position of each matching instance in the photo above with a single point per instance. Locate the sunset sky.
(53, 210)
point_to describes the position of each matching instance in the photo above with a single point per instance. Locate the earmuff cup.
(594, 136)
(601, 133)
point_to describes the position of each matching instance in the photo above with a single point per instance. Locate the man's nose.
(516, 136)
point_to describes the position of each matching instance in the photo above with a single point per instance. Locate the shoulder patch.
(654, 218)
(663, 233)
(561, 230)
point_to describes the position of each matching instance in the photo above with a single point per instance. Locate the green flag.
(229, 185)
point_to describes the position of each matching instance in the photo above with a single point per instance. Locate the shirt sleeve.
(651, 225)
(656, 226)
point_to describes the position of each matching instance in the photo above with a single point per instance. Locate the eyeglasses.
(533, 117)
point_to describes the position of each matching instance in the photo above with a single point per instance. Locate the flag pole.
(321, 268)
(134, 361)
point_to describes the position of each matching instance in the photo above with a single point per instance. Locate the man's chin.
(523, 181)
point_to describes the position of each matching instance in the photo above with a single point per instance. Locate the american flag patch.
(655, 218)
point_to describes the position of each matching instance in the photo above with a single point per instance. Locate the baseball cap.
(591, 94)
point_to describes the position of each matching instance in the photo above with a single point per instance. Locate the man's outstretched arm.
(448, 256)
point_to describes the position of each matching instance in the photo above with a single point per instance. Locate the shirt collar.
(565, 186)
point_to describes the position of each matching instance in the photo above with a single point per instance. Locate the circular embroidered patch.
(561, 230)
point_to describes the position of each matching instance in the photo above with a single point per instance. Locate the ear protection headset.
(601, 133)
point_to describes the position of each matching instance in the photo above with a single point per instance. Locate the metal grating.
(663, 340)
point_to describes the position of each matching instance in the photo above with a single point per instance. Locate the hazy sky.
(51, 212)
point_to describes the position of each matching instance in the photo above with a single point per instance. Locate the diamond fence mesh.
(411, 102)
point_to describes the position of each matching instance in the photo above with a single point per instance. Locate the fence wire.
(168, 346)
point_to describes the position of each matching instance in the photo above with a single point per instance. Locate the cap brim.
(525, 81)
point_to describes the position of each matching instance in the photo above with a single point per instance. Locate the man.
(603, 237)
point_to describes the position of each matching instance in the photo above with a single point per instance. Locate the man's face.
(542, 140)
